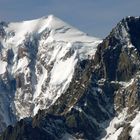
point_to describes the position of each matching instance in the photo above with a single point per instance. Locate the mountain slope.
(38, 60)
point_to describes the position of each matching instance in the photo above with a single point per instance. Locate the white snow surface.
(116, 126)
(135, 133)
(46, 74)
(127, 84)
(65, 68)
(22, 64)
(3, 66)
(60, 31)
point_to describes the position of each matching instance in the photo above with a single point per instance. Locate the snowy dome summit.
(38, 59)
(45, 64)
(60, 30)
(54, 29)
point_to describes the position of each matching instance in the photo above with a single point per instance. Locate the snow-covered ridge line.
(60, 30)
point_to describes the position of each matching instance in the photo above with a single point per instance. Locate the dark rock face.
(113, 55)
(79, 101)
(25, 129)
(100, 90)
(2, 32)
(134, 28)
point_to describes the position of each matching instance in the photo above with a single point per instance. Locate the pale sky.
(95, 17)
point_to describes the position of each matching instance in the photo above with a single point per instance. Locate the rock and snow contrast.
(37, 63)
(58, 83)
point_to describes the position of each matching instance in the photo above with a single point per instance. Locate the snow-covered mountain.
(38, 59)
(86, 88)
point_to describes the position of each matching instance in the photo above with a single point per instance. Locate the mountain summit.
(38, 59)
(59, 30)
